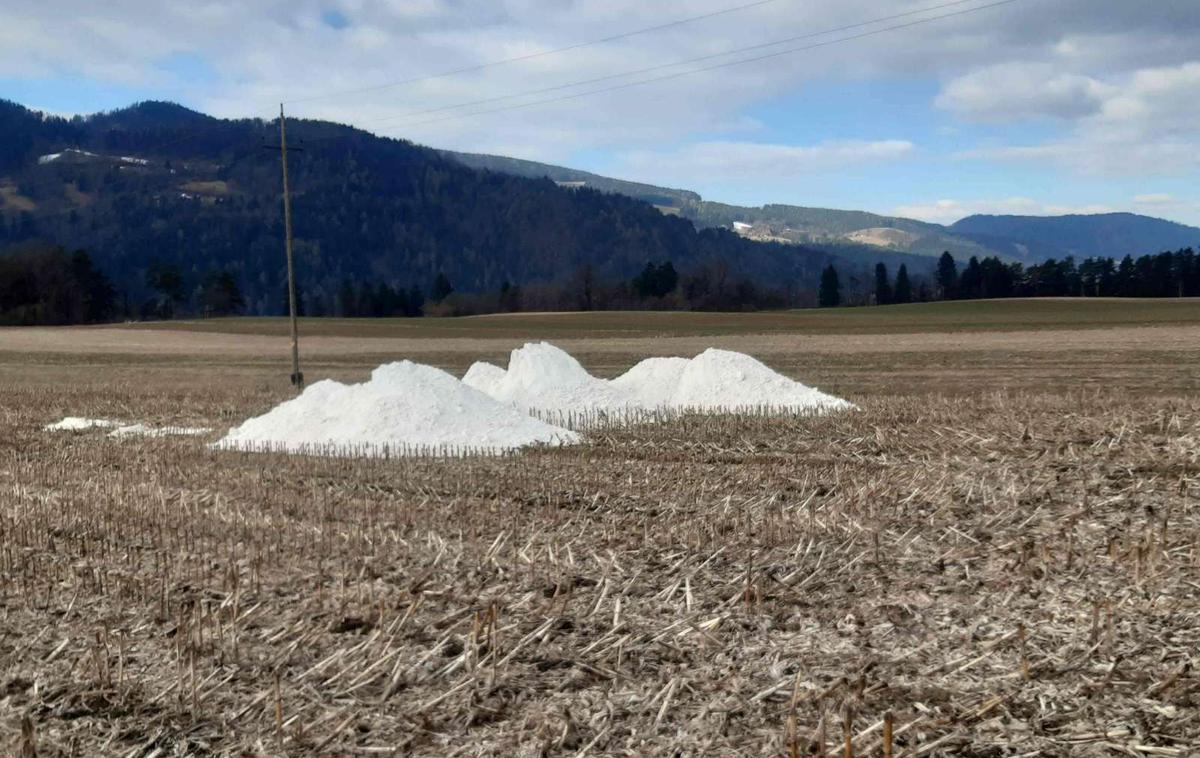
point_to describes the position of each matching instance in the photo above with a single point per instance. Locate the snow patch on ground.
(79, 424)
(122, 429)
(404, 408)
(142, 430)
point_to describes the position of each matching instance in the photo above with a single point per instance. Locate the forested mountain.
(159, 186)
(1029, 239)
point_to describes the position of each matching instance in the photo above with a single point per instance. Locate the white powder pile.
(122, 429)
(653, 382)
(723, 379)
(404, 408)
(544, 378)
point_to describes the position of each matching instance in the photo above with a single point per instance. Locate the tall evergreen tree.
(441, 287)
(947, 276)
(970, 284)
(903, 292)
(220, 295)
(347, 300)
(167, 281)
(883, 287)
(510, 297)
(415, 302)
(830, 294)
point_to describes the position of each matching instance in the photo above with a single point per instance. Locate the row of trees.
(659, 286)
(1167, 274)
(41, 284)
(45, 284)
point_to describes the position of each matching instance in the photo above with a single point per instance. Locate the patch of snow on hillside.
(69, 151)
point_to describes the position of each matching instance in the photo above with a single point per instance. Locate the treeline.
(47, 285)
(1167, 274)
(43, 284)
(658, 286)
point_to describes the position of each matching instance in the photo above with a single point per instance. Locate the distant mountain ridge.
(1021, 238)
(1112, 235)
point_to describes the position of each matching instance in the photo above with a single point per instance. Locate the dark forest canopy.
(159, 185)
(43, 284)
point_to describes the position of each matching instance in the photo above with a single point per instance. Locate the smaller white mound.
(652, 384)
(404, 407)
(484, 376)
(543, 377)
(79, 424)
(727, 380)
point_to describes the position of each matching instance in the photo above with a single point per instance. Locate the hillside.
(158, 184)
(1104, 234)
(1017, 238)
(828, 228)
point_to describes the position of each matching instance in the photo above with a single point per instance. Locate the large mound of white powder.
(404, 408)
(541, 377)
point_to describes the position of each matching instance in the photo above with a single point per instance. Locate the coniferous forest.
(1167, 274)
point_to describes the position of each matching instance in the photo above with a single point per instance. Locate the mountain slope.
(159, 184)
(1102, 234)
(1022, 238)
(826, 227)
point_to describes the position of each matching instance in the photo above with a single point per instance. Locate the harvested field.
(989, 572)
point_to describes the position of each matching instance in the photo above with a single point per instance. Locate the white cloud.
(1155, 198)
(949, 211)
(1020, 90)
(1138, 123)
(1110, 70)
(274, 50)
(700, 162)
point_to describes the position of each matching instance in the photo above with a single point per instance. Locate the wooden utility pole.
(297, 377)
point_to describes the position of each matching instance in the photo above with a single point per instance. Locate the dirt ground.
(999, 554)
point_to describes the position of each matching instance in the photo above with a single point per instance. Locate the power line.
(681, 74)
(675, 64)
(532, 56)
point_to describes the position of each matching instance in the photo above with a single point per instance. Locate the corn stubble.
(997, 574)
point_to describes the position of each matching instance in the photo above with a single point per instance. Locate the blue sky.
(1034, 106)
